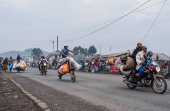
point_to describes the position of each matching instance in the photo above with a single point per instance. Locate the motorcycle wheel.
(159, 86)
(45, 72)
(73, 77)
(42, 72)
(59, 76)
(131, 86)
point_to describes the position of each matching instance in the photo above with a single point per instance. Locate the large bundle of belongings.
(65, 66)
(127, 62)
(20, 65)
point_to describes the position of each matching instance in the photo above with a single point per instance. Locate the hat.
(66, 45)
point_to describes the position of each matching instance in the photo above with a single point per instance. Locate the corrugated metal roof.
(114, 55)
(161, 57)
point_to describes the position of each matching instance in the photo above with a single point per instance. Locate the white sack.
(76, 65)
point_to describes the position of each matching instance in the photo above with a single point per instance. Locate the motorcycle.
(157, 82)
(71, 66)
(44, 67)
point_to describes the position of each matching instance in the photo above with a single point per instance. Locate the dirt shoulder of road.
(12, 99)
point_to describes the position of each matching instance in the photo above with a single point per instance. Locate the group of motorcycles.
(66, 60)
(157, 82)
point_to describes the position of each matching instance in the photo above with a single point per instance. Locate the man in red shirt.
(164, 65)
(96, 65)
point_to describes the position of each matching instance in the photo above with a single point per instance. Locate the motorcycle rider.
(39, 62)
(18, 58)
(42, 60)
(141, 62)
(64, 51)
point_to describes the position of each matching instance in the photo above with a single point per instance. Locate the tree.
(82, 50)
(36, 53)
(92, 50)
(75, 49)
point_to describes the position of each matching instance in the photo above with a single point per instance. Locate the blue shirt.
(66, 51)
(149, 60)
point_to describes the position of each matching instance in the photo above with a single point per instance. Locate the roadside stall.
(111, 63)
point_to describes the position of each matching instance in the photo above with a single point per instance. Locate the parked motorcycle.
(44, 67)
(70, 65)
(157, 82)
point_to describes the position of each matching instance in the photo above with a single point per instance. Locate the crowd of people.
(91, 66)
(4, 63)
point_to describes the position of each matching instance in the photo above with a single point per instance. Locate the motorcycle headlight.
(45, 64)
(158, 69)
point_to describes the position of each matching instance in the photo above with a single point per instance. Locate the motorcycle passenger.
(64, 51)
(138, 49)
(149, 62)
(141, 62)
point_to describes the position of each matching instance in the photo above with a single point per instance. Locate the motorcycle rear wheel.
(59, 76)
(160, 84)
(45, 72)
(73, 77)
(131, 86)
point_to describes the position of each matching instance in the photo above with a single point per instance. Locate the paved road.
(104, 89)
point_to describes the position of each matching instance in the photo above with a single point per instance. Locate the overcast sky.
(35, 23)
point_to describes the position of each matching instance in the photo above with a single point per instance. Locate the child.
(149, 62)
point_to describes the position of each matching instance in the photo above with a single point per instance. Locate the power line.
(154, 21)
(26, 41)
(110, 20)
(150, 6)
(46, 46)
(107, 24)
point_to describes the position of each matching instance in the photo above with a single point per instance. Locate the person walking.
(5, 62)
(96, 66)
(83, 66)
(10, 63)
(89, 65)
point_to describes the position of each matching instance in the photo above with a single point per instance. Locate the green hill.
(23, 54)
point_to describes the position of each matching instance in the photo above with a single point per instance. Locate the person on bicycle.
(64, 51)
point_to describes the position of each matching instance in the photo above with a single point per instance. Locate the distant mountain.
(25, 53)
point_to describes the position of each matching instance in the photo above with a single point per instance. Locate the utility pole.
(31, 56)
(57, 49)
(100, 50)
(53, 46)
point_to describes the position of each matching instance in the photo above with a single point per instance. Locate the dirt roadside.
(11, 97)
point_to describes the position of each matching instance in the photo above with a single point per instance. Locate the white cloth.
(118, 63)
(140, 59)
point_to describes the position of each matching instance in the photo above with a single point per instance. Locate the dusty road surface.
(90, 92)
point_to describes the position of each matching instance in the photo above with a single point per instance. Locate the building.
(28, 59)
